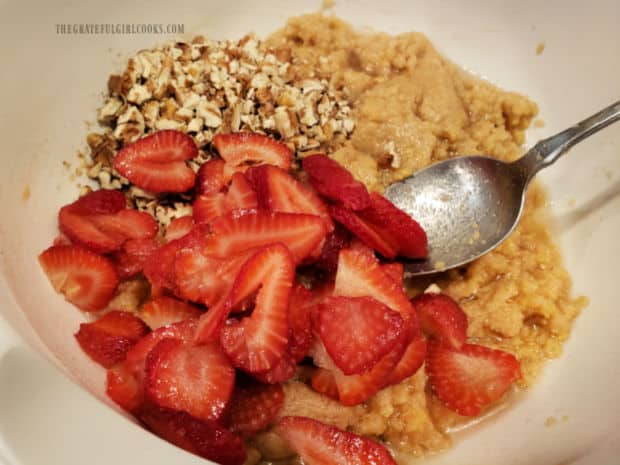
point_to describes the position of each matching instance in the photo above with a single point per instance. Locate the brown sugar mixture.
(412, 108)
(384, 107)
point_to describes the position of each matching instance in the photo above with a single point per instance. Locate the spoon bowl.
(469, 205)
(466, 205)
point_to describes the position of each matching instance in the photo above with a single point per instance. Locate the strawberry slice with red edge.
(245, 149)
(183, 331)
(132, 256)
(284, 369)
(396, 226)
(86, 279)
(278, 191)
(355, 389)
(211, 177)
(335, 241)
(125, 382)
(83, 223)
(159, 266)
(107, 340)
(178, 228)
(254, 408)
(471, 378)
(124, 388)
(99, 202)
(256, 343)
(157, 162)
(321, 444)
(163, 310)
(324, 382)
(203, 278)
(357, 331)
(396, 271)
(240, 196)
(441, 318)
(234, 233)
(208, 207)
(205, 438)
(300, 337)
(364, 231)
(195, 379)
(333, 181)
(359, 274)
(300, 324)
(410, 362)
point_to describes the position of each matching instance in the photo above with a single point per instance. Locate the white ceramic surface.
(51, 84)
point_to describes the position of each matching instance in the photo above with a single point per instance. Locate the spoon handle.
(547, 151)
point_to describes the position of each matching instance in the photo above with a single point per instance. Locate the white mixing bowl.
(52, 83)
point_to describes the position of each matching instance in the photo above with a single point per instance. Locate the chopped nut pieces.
(205, 87)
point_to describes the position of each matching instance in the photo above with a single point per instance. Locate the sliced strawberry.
(321, 444)
(240, 196)
(201, 277)
(159, 267)
(299, 340)
(357, 331)
(300, 337)
(468, 379)
(132, 256)
(441, 318)
(365, 232)
(410, 362)
(212, 321)
(194, 379)
(124, 388)
(61, 239)
(335, 241)
(278, 191)
(108, 339)
(156, 163)
(233, 233)
(257, 342)
(207, 207)
(396, 226)
(163, 311)
(104, 232)
(360, 274)
(395, 270)
(205, 438)
(255, 407)
(183, 331)
(211, 177)
(179, 227)
(99, 202)
(324, 382)
(355, 389)
(86, 279)
(284, 370)
(333, 181)
(244, 148)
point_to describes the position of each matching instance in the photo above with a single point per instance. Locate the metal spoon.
(469, 205)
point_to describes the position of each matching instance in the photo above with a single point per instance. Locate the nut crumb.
(203, 87)
(26, 193)
(432, 289)
(540, 48)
